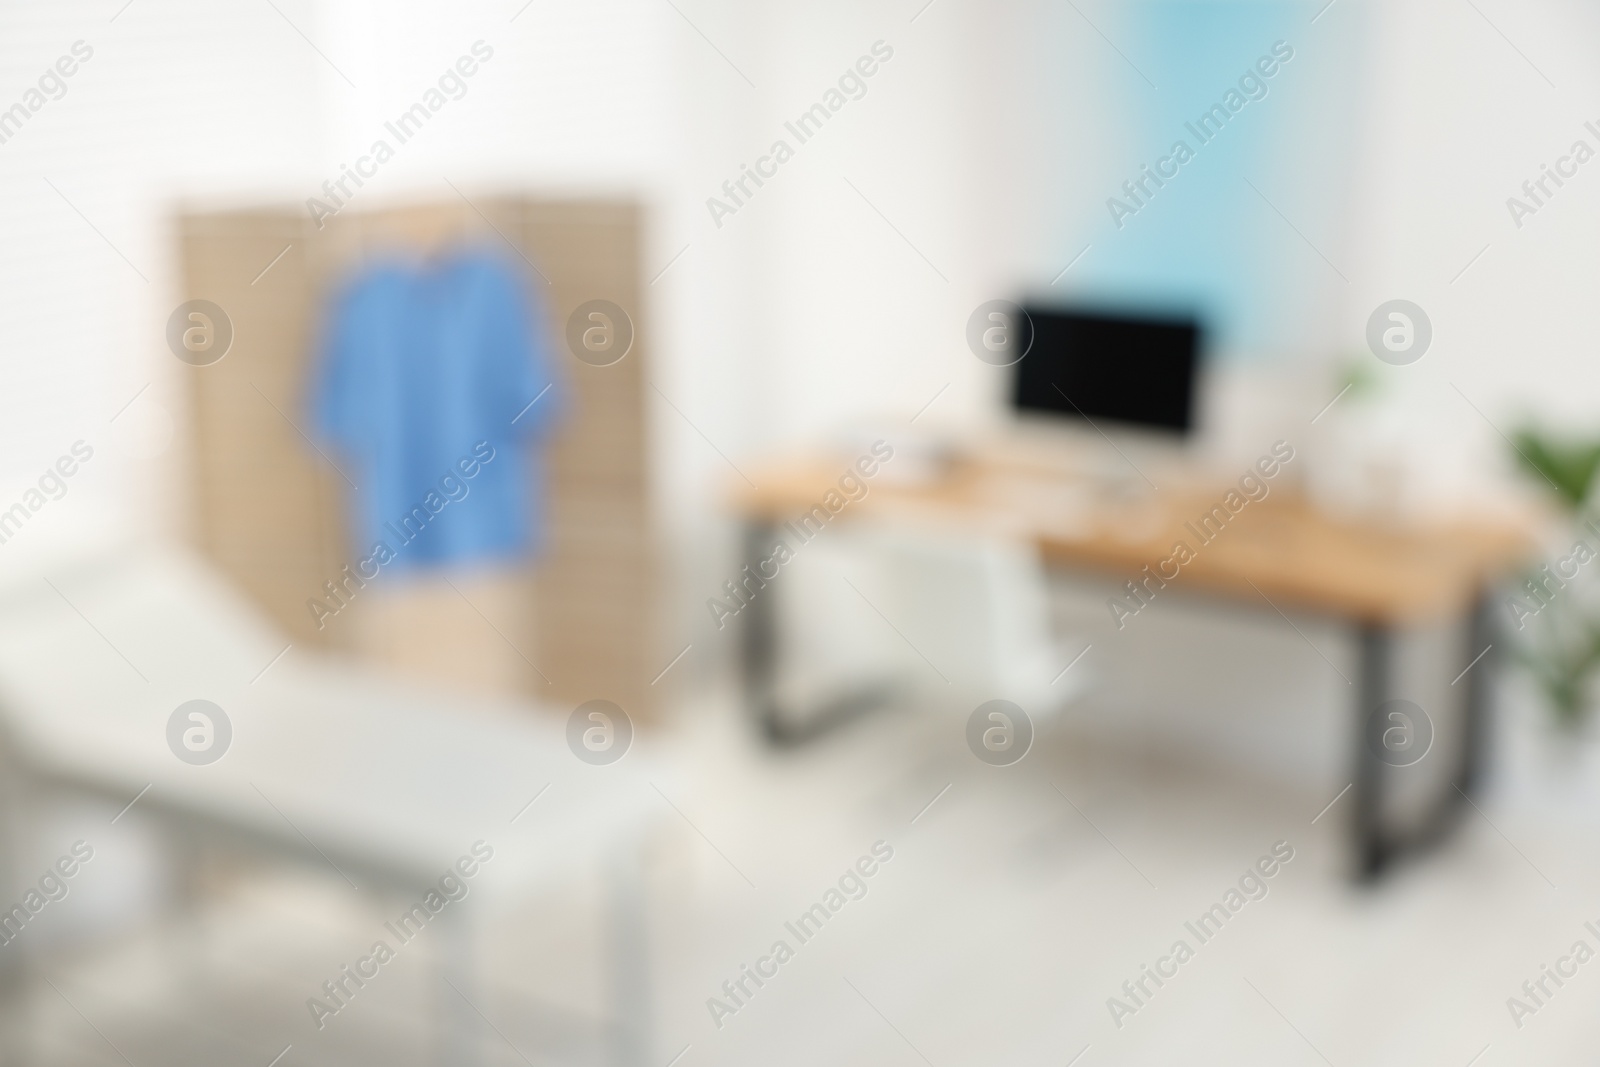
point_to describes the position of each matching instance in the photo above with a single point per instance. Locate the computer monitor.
(1135, 370)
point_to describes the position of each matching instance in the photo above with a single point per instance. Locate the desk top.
(1282, 547)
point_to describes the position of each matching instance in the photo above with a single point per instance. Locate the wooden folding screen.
(270, 511)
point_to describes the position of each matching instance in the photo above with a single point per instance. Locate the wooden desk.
(1281, 553)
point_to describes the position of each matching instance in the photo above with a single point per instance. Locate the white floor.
(1014, 906)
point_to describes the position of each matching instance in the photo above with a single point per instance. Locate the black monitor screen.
(1094, 366)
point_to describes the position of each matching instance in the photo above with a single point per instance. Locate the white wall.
(858, 321)
(179, 96)
(1457, 121)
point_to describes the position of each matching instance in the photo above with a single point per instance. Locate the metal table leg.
(1372, 849)
(758, 640)
(759, 662)
(1375, 846)
(1475, 701)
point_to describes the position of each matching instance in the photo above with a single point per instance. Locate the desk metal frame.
(1375, 846)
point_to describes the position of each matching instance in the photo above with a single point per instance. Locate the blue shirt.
(431, 379)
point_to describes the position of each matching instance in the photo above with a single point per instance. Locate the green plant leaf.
(1569, 467)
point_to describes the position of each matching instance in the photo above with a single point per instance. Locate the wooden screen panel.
(596, 589)
(266, 506)
(269, 508)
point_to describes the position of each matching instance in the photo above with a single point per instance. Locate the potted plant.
(1556, 613)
